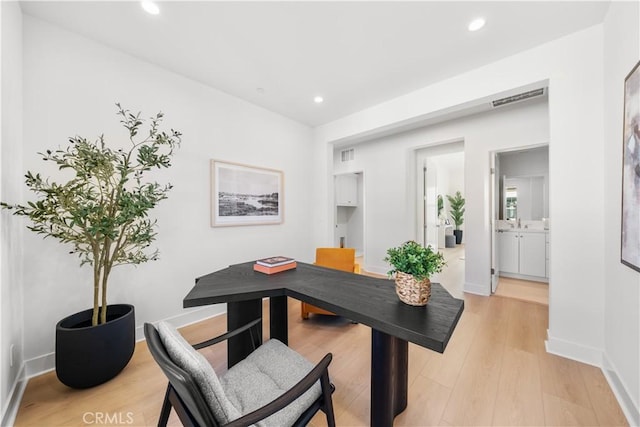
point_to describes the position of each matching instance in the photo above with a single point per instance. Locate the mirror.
(525, 198)
(511, 203)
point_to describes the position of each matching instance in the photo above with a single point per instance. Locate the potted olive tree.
(413, 265)
(457, 214)
(101, 211)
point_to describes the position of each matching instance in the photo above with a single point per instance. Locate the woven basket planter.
(412, 291)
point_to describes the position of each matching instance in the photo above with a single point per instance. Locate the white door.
(430, 204)
(494, 217)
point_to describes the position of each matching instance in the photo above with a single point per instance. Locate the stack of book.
(274, 264)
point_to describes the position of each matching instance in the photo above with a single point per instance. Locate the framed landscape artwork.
(630, 241)
(245, 195)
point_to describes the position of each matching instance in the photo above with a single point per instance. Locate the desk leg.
(279, 319)
(389, 374)
(239, 314)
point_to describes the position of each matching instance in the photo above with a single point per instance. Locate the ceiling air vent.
(347, 155)
(518, 97)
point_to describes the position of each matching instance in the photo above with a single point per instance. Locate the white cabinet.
(533, 254)
(346, 188)
(522, 254)
(508, 252)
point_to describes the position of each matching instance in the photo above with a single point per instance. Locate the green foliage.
(457, 209)
(415, 259)
(102, 210)
(440, 204)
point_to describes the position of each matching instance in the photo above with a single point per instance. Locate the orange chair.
(337, 258)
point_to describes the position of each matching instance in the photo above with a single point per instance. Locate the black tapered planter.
(458, 234)
(90, 355)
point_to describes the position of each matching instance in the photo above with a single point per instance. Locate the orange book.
(273, 270)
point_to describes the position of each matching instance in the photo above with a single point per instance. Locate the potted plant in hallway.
(102, 213)
(457, 214)
(413, 265)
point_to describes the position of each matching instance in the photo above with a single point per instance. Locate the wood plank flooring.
(525, 290)
(495, 371)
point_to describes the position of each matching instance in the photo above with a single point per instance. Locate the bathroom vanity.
(523, 253)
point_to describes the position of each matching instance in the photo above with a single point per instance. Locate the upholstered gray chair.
(273, 386)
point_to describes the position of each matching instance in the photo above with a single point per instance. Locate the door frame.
(495, 203)
(361, 205)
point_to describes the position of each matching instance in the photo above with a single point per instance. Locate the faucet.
(518, 222)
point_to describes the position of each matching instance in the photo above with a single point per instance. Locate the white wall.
(389, 165)
(11, 306)
(621, 284)
(573, 67)
(70, 87)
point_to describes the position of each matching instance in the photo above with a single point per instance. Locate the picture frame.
(630, 221)
(245, 195)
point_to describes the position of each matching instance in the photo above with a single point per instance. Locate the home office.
(59, 80)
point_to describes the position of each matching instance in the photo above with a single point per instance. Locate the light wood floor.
(495, 371)
(524, 290)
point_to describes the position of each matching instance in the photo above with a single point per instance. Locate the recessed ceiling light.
(150, 7)
(318, 100)
(476, 24)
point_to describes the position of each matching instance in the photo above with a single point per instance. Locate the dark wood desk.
(363, 299)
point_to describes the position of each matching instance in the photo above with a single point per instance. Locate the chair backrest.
(184, 385)
(337, 258)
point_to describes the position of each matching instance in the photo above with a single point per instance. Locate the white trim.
(630, 410)
(39, 365)
(375, 270)
(47, 362)
(14, 398)
(476, 289)
(596, 357)
(574, 351)
(188, 318)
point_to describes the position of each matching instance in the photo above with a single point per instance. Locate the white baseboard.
(10, 411)
(376, 270)
(596, 357)
(39, 365)
(47, 362)
(474, 288)
(574, 351)
(188, 318)
(629, 408)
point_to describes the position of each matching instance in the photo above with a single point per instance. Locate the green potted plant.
(413, 265)
(440, 207)
(457, 214)
(101, 211)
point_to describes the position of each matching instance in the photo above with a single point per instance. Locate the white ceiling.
(354, 54)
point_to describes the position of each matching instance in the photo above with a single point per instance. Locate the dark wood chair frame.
(184, 395)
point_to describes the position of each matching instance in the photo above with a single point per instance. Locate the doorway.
(520, 223)
(440, 173)
(349, 211)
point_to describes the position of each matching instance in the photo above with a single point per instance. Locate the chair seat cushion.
(263, 376)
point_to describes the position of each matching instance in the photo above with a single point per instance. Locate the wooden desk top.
(363, 299)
